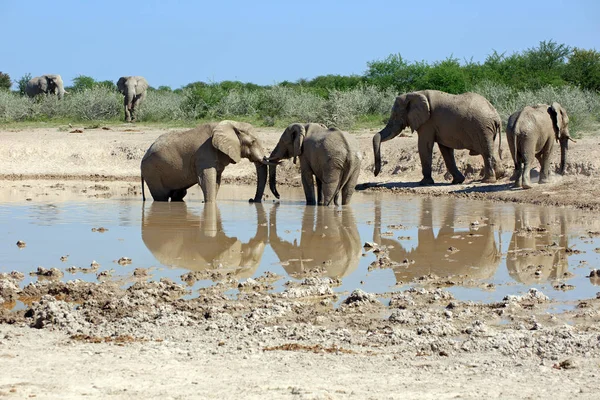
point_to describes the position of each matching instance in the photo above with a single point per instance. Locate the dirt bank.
(115, 154)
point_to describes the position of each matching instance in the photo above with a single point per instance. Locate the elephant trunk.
(377, 152)
(564, 147)
(129, 97)
(261, 181)
(273, 180)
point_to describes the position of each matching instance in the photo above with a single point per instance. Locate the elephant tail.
(499, 132)
(143, 193)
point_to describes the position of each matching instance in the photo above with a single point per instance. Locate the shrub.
(22, 83)
(5, 82)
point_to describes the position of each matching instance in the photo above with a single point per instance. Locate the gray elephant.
(178, 237)
(465, 121)
(177, 161)
(46, 84)
(329, 243)
(134, 89)
(531, 132)
(330, 155)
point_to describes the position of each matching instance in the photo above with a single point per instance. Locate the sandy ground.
(100, 340)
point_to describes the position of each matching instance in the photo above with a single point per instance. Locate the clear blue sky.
(265, 42)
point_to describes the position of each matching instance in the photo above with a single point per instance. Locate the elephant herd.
(331, 158)
(329, 243)
(132, 87)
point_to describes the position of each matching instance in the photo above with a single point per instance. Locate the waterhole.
(480, 251)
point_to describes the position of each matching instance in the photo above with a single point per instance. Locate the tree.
(583, 69)
(5, 82)
(22, 83)
(82, 82)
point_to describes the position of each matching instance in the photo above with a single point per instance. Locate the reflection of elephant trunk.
(329, 242)
(477, 256)
(465, 121)
(177, 237)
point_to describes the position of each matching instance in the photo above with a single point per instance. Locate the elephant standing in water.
(329, 243)
(177, 237)
(531, 132)
(470, 253)
(134, 89)
(536, 253)
(46, 84)
(329, 155)
(177, 161)
(465, 121)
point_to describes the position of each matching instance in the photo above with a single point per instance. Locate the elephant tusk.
(572, 140)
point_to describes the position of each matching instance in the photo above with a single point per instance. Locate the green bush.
(22, 83)
(5, 82)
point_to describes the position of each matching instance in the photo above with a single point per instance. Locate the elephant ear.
(142, 85)
(417, 109)
(225, 139)
(298, 133)
(557, 118)
(121, 84)
(43, 83)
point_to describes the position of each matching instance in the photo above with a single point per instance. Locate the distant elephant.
(464, 121)
(329, 243)
(465, 252)
(46, 84)
(330, 155)
(178, 237)
(538, 254)
(134, 89)
(531, 133)
(177, 161)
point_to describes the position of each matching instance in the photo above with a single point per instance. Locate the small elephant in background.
(330, 155)
(177, 161)
(531, 132)
(134, 89)
(46, 84)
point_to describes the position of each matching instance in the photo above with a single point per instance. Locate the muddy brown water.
(487, 250)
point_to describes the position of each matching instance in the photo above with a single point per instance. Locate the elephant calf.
(531, 132)
(134, 89)
(178, 160)
(330, 155)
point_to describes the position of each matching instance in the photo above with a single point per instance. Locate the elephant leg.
(330, 185)
(425, 145)
(308, 185)
(207, 179)
(178, 195)
(448, 154)
(527, 163)
(159, 194)
(513, 154)
(127, 114)
(349, 188)
(319, 191)
(544, 159)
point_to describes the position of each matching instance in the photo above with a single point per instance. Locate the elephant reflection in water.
(535, 253)
(329, 243)
(178, 237)
(477, 256)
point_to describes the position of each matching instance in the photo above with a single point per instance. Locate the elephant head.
(560, 122)
(289, 145)
(130, 86)
(410, 109)
(329, 243)
(48, 84)
(178, 237)
(236, 140)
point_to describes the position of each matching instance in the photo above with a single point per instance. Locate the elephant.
(535, 255)
(329, 243)
(330, 155)
(134, 89)
(178, 237)
(46, 84)
(178, 160)
(477, 256)
(531, 132)
(464, 121)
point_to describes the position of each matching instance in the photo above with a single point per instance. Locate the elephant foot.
(516, 185)
(544, 181)
(489, 179)
(426, 182)
(526, 186)
(458, 180)
(514, 176)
